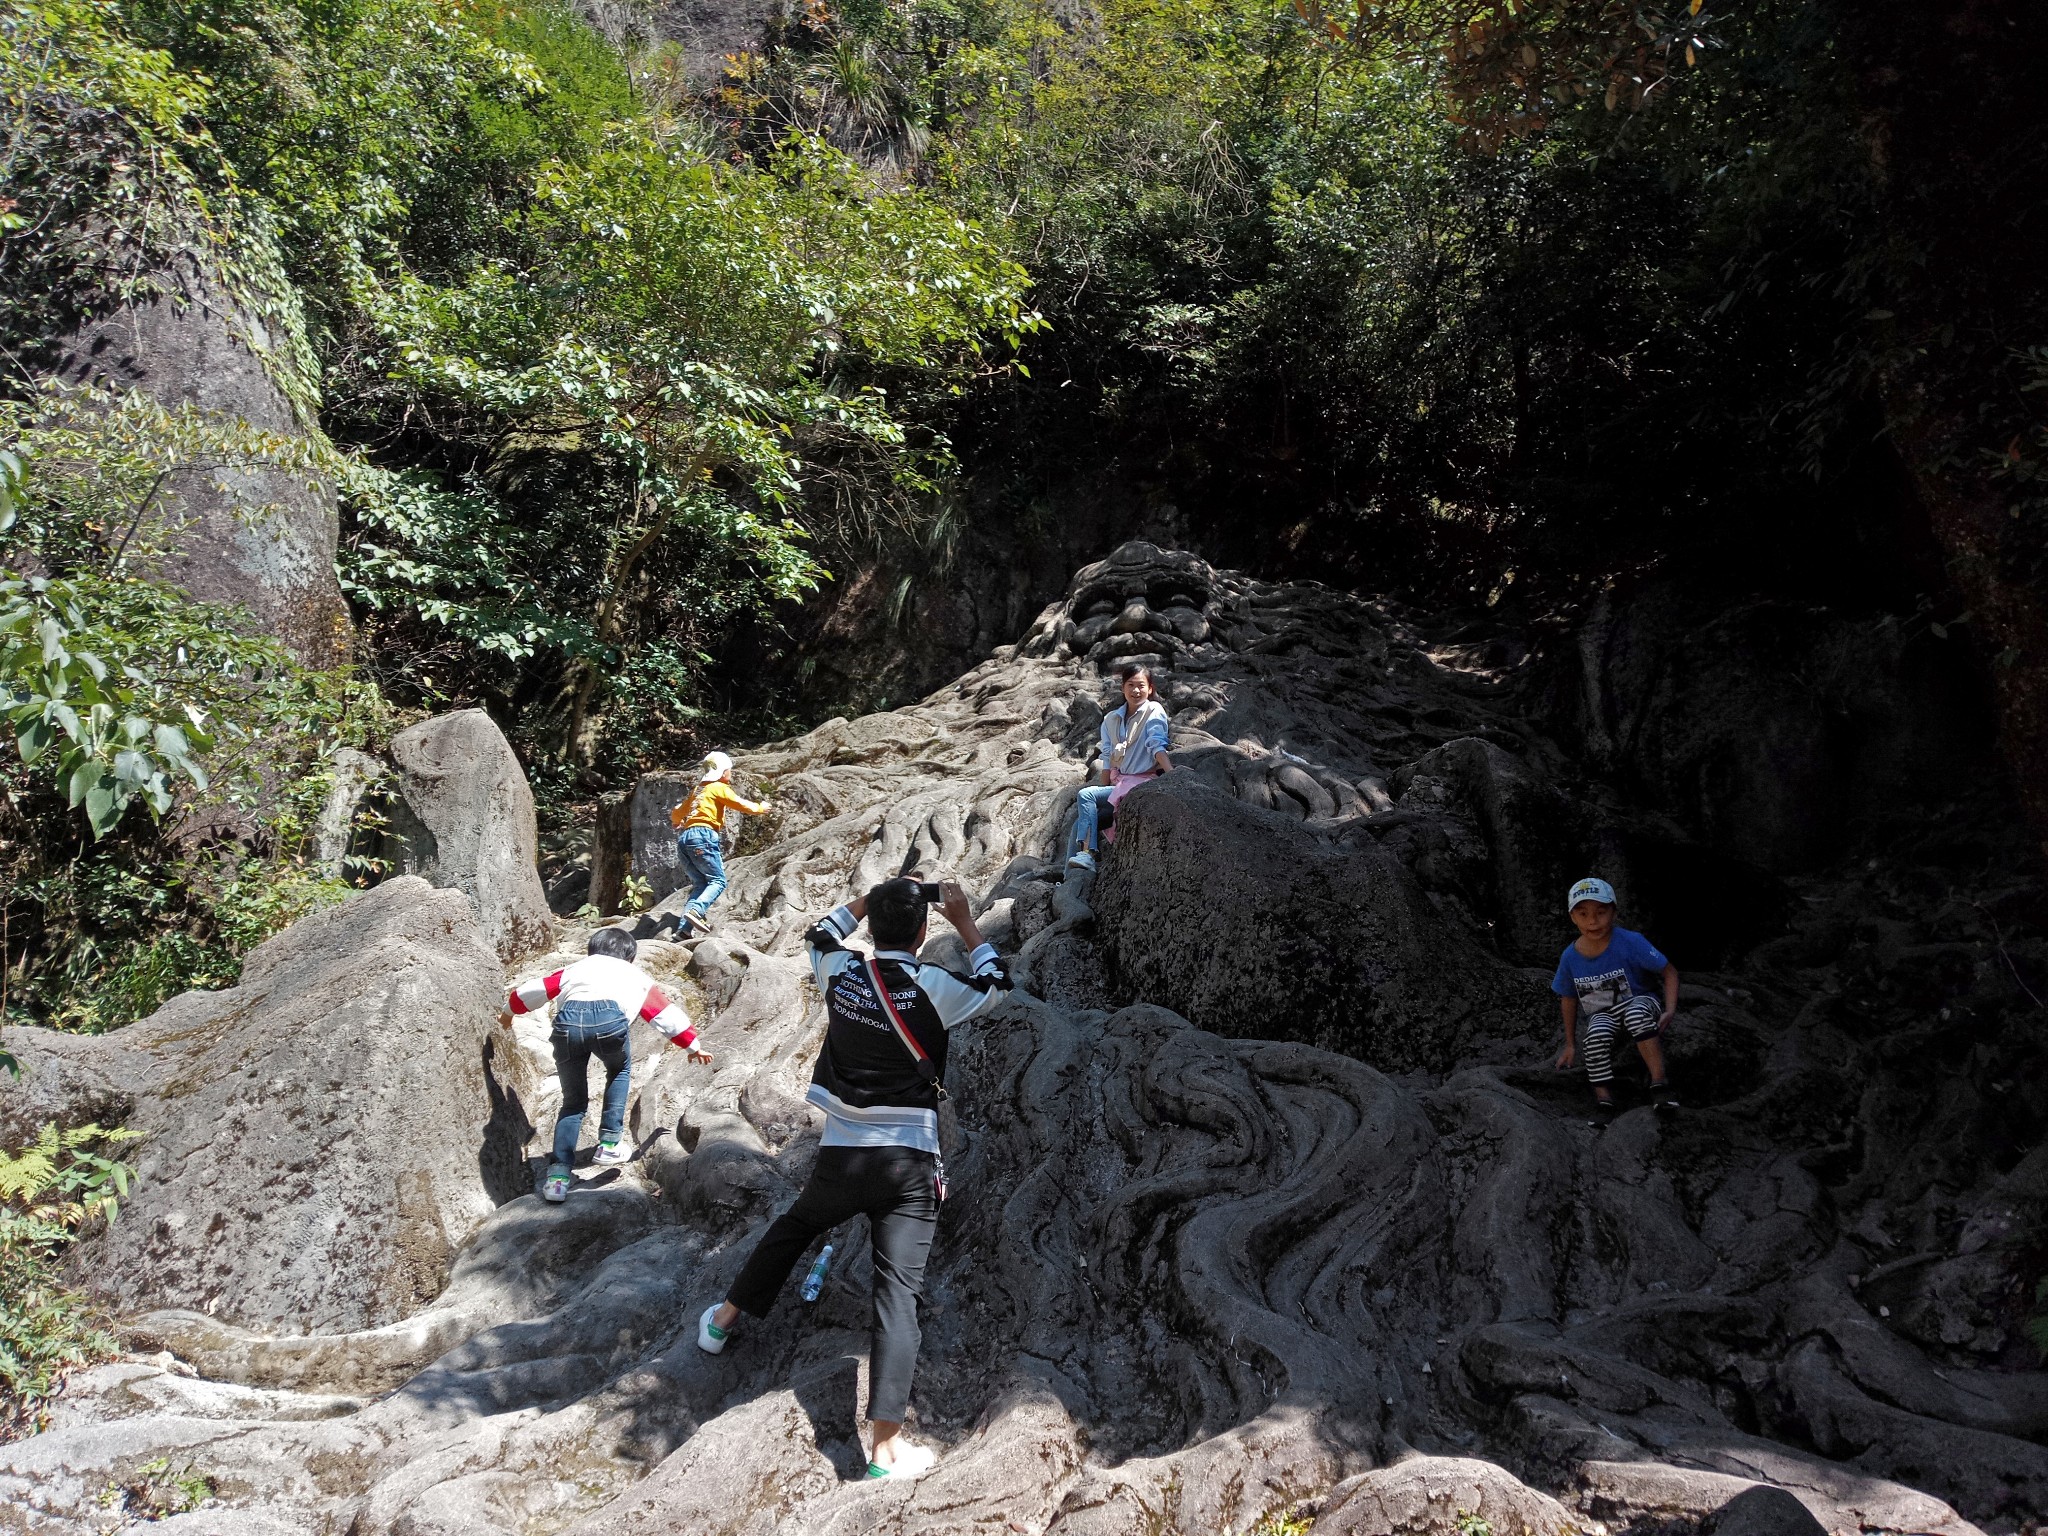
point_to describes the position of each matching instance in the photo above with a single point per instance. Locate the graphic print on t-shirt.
(854, 1000)
(1603, 993)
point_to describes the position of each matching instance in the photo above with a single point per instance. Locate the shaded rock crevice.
(1270, 1200)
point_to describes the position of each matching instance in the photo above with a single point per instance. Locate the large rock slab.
(320, 1140)
(652, 855)
(464, 819)
(1196, 1281)
(1250, 924)
(1771, 729)
(259, 535)
(709, 32)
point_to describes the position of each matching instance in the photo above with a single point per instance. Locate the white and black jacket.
(866, 1080)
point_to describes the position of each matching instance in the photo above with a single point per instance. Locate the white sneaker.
(911, 1461)
(611, 1153)
(1082, 860)
(555, 1189)
(710, 1337)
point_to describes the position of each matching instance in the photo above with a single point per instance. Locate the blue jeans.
(584, 1030)
(1087, 813)
(698, 852)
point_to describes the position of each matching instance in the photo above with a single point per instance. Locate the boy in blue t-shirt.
(1605, 983)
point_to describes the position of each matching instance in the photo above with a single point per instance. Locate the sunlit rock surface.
(1341, 1246)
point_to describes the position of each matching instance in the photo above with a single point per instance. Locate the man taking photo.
(880, 1080)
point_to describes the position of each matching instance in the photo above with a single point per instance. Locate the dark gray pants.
(892, 1187)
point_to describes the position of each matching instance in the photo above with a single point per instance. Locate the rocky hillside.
(1272, 1206)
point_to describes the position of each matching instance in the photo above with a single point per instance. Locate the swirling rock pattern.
(1270, 1206)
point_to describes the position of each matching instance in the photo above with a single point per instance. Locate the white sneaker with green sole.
(710, 1337)
(911, 1461)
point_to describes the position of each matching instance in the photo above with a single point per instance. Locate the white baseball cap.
(1589, 889)
(717, 765)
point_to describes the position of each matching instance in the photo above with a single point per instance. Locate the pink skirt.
(1121, 784)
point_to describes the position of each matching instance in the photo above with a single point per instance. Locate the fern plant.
(50, 1191)
(59, 1184)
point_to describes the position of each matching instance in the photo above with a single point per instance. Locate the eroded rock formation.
(318, 1142)
(1271, 1202)
(258, 535)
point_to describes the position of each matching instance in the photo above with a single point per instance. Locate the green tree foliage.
(126, 698)
(704, 340)
(342, 118)
(1343, 305)
(597, 385)
(109, 748)
(646, 364)
(165, 761)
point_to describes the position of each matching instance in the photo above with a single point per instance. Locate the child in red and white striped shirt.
(595, 1001)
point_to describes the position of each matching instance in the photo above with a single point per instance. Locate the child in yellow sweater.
(698, 821)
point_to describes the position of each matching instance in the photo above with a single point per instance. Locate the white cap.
(1589, 889)
(716, 766)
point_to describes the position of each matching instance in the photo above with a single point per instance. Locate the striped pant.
(1599, 1033)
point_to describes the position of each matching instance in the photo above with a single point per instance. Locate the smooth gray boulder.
(652, 855)
(462, 817)
(320, 1140)
(1251, 924)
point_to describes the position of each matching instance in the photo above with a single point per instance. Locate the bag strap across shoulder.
(925, 1067)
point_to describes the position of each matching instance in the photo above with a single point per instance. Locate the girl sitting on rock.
(1133, 750)
(699, 821)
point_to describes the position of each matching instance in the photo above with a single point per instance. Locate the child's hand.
(698, 1054)
(1664, 1019)
(1566, 1057)
(504, 1018)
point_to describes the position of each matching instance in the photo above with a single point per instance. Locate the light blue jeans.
(703, 861)
(581, 1031)
(1087, 815)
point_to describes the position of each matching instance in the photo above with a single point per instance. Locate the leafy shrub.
(224, 740)
(120, 693)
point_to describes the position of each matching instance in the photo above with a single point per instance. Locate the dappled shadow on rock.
(1271, 1202)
